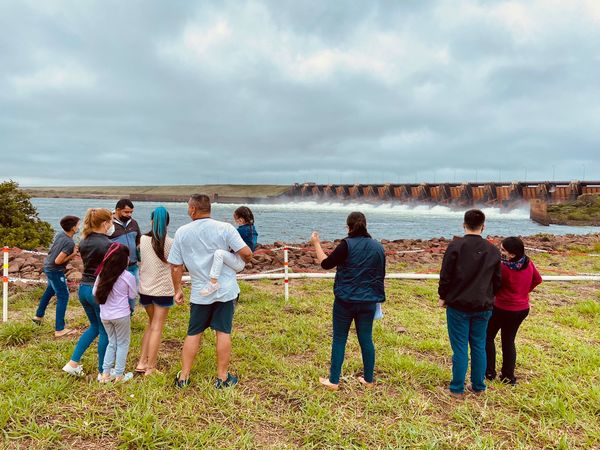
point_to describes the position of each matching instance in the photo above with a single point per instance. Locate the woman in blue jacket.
(358, 287)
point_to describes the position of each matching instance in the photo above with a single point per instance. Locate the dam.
(496, 194)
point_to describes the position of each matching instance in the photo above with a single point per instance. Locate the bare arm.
(246, 254)
(176, 275)
(316, 242)
(63, 257)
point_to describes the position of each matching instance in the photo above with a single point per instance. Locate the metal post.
(286, 280)
(5, 285)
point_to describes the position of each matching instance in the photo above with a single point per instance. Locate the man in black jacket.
(469, 279)
(127, 232)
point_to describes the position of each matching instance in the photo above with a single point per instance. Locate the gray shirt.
(62, 244)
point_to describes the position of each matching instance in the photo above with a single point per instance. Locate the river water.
(293, 222)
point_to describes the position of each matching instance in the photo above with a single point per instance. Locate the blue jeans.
(134, 270)
(467, 329)
(362, 313)
(119, 337)
(92, 310)
(57, 285)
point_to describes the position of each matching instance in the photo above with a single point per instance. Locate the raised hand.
(314, 238)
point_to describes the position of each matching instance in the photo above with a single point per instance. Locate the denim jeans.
(119, 336)
(57, 285)
(467, 329)
(134, 270)
(92, 310)
(362, 313)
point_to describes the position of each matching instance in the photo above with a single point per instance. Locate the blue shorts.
(147, 300)
(218, 316)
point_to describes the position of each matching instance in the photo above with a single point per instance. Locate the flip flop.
(364, 382)
(63, 333)
(328, 384)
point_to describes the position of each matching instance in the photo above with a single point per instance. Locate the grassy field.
(238, 190)
(280, 351)
(584, 211)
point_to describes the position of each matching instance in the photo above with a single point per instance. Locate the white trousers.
(230, 259)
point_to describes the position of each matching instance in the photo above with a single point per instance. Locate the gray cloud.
(277, 92)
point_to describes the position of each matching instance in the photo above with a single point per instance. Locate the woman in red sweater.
(511, 306)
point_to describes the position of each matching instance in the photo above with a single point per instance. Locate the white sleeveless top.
(155, 275)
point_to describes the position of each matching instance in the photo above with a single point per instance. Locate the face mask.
(111, 230)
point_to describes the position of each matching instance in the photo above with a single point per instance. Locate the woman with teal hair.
(156, 287)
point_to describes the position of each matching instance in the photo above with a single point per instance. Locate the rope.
(34, 253)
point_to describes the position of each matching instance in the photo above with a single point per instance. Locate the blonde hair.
(94, 217)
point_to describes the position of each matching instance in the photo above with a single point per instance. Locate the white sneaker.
(126, 377)
(209, 288)
(101, 379)
(75, 371)
(112, 376)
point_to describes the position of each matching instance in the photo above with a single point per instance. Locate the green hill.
(234, 190)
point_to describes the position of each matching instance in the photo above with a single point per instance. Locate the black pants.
(507, 322)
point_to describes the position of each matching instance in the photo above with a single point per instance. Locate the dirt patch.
(67, 441)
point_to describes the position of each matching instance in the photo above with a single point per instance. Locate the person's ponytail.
(94, 217)
(160, 221)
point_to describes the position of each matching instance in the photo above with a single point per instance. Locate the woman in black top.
(97, 226)
(358, 287)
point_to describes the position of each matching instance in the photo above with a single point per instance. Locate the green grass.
(243, 190)
(280, 351)
(584, 211)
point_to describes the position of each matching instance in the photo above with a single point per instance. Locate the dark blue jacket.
(360, 277)
(128, 234)
(249, 235)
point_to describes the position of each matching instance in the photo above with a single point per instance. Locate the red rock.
(305, 259)
(75, 276)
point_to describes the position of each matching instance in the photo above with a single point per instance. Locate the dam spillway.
(505, 195)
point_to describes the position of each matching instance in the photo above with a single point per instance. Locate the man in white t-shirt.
(194, 246)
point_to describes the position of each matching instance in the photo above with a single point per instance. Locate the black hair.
(68, 222)
(514, 246)
(113, 267)
(245, 213)
(124, 202)
(357, 224)
(474, 219)
(201, 202)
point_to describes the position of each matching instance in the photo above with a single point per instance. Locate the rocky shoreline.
(414, 253)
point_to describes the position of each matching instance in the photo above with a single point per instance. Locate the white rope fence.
(285, 276)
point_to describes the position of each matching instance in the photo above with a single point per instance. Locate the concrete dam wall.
(460, 194)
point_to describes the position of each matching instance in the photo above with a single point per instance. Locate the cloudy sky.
(282, 91)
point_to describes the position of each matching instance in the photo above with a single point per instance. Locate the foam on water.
(389, 208)
(294, 221)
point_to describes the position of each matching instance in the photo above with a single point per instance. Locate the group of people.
(484, 289)
(120, 265)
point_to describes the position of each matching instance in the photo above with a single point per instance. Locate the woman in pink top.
(113, 288)
(511, 306)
